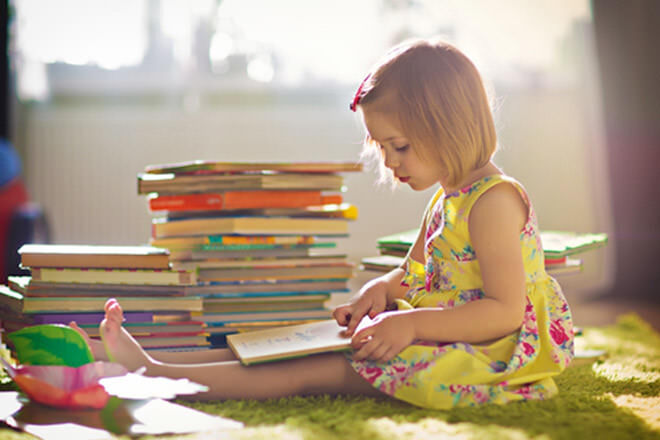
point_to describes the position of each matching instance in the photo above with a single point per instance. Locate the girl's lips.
(404, 179)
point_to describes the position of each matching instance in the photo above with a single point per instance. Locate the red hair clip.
(358, 94)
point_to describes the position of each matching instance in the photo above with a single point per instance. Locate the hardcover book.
(94, 256)
(196, 166)
(557, 244)
(249, 226)
(233, 200)
(242, 318)
(183, 184)
(260, 263)
(344, 270)
(114, 276)
(21, 304)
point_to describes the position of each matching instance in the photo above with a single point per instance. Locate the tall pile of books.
(72, 282)
(258, 236)
(560, 249)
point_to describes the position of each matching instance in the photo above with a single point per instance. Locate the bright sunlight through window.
(154, 46)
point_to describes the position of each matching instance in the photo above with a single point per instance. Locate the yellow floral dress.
(519, 366)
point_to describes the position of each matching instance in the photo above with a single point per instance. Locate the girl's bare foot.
(96, 346)
(119, 344)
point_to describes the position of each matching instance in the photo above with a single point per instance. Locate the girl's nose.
(391, 161)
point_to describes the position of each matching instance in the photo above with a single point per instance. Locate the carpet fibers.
(615, 398)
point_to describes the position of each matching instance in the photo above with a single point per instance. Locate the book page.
(290, 341)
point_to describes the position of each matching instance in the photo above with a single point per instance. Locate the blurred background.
(93, 91)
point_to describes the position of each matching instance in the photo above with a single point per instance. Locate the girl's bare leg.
(320, 374)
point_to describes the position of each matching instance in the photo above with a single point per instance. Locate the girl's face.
(397, 152)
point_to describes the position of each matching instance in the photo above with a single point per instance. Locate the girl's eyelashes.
(401, 149)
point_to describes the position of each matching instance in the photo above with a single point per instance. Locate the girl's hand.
(371, 301)
(384, 337)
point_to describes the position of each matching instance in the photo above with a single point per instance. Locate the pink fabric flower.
(372, 374)
(558, 333)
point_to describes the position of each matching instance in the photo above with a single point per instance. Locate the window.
(137, 47)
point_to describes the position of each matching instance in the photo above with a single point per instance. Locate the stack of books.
(72, 282)
(258, 236)
(559, 249)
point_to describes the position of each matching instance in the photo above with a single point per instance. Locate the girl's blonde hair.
(439, 102)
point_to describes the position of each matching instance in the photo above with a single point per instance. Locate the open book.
(289, 342)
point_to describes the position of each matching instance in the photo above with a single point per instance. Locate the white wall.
(81, 164)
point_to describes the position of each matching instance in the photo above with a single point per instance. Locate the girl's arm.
(495, 223)
(379, 293)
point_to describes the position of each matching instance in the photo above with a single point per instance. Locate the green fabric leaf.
(50, 344)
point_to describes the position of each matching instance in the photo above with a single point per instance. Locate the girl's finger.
(363, 335)
(341, 315)
(366, 350)
(356, 317)
(380, 352)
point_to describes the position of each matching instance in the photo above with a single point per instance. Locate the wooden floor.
(587, 310)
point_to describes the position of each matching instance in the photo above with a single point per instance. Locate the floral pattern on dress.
(518, 366)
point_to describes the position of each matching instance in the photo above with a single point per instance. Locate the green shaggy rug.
(616, 398)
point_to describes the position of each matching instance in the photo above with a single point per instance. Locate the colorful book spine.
(114, 276)
(89, 318)
(259, 239)
(233, 200)
(89, 304)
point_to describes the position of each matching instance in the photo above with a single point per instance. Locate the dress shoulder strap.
(480, 187)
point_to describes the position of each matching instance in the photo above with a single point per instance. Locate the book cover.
(385, 263)
(94, 256)
(381, 263)
(237, 167)
(277, 273)
(568, 267)
(248, 226)
(265, 306)
(233, 200)
(114, 276)
(346, 211)
(88, 318)
(172, 341)
(29, 287)
(95, 304)
(247, 251)
(240, 241)
(268, 299)
(401, 239)
(557, 244)
(288, 342)
(96, 317)
(244, 288)
(167, 329)
(244, 318)
(183, 184)
(226, 263)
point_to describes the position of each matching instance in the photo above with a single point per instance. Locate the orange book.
(232, 200)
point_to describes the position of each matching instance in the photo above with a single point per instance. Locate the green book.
(559, 244)
(556, 244)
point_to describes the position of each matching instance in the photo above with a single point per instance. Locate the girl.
(470, 317)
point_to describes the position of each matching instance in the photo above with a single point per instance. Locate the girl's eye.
(402, 149)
